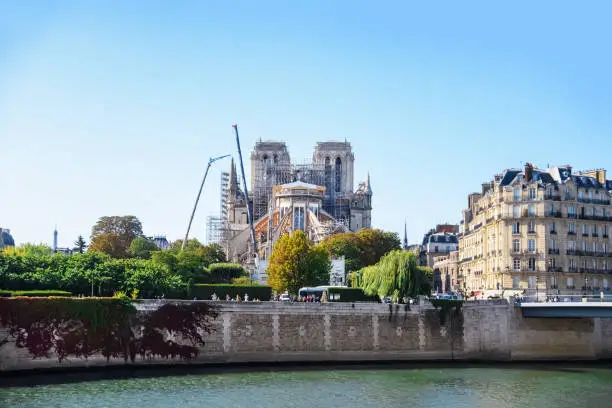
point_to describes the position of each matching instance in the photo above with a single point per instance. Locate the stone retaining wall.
(273, 332)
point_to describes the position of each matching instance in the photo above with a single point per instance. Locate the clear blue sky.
(114, 107)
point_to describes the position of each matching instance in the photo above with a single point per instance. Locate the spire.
(368, 186)
(233, 180)
(405, 236)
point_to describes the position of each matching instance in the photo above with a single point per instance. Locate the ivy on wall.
(446, 306)
(81, 328)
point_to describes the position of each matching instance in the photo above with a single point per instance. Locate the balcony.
(571, 233)
(553, 251)
(605, 236)
(555, 269)
(595, 235)
(572, 216)
(552, 197)
(553, 232)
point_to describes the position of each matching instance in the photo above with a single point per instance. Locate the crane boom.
(246, 192)
(210, 162)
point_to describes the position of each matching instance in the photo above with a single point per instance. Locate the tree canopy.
(80, 245)
(397, 274)
(142, 247)
(113, 235)
(296, 262)
(363, 248)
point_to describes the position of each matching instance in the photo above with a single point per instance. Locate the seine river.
(380, 388)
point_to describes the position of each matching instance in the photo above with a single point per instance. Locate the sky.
(114, 107)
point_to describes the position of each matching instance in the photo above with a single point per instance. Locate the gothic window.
(338, 175)
(328, 175)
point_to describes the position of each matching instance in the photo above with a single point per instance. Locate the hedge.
(225, 272)
(349, 295)
(5, 293)
(205, 291)
(40, 293)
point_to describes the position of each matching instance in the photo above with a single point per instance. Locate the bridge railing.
(590, 298)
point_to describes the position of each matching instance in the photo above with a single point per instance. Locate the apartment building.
(543, 231)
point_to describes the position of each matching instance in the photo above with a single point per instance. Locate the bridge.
(566, 306)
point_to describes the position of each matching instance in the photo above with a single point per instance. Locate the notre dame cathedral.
(318, 198)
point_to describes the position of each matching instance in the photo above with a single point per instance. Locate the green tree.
(225, 272)
(295, 262)
(118, 232)
(142, 247)
(110, 244)
(375, 244)
(80, 245)
(347, 245)
(396, 275)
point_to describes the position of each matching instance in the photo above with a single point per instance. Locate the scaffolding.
(214, 228)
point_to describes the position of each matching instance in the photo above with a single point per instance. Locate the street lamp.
(537, 281)
(586, 284)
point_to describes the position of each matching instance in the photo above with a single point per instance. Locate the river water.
(381, 388)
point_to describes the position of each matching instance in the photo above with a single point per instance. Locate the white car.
(285, 297)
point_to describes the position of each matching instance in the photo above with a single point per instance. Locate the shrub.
(225, 272)
(349, 295)
(40, 293)
(205, 291)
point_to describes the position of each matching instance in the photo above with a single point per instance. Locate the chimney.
(528, 172)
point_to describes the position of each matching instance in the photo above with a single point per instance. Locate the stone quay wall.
(310, 332)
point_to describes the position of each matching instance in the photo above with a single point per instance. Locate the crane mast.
(246, 192)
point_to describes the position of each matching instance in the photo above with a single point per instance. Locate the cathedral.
(318, 198)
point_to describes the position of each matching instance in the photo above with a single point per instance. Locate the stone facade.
(270, 332)
(446, 268)
(543, 231)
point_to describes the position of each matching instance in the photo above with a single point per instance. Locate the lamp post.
(586, 284)
(537, 284)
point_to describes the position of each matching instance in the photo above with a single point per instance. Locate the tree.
(363, 248)
(118, 232)
(80, 245)
(376, 243)
(396, 275)
(225, 272)
(295, 263)
(141, 247)
(110, 244)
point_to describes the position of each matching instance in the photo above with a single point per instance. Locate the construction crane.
(246, 193)
(210, 162)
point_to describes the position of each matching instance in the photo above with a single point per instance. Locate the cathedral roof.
(301, 184)
(6, 238)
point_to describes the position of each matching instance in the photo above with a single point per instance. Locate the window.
(594, 212)
(594, 229)
(605, 231)
(571, 211)
(571, 245)
(590, 194)
(594, 246)
(338, 175)
(298, 218)
(532, 193)
(552, 262)
(531, 282)
(531, 227)
(570, 283)
(516, 264)
(604, 247)
(328, 175)
(585, 229)
(517, 194)
(553, 243)
(516, 282)
(605, 284)
(581, 195)
(516, 211)
(553, 282)
(516, 245)
(603, 212)
(572, 264)
(532, 264)
(531, 245)
(584, 245)
(571, 227)
(516, 228)
(531, 210)
(552, 227)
